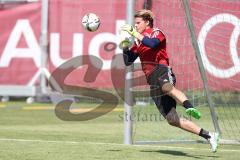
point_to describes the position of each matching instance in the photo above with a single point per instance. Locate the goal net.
(215, 28)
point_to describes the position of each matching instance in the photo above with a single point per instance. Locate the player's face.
(140, 24)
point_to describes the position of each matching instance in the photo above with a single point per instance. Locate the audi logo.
(212, 69)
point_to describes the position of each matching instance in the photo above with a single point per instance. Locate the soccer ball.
(90, 22)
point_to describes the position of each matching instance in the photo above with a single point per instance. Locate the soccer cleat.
(193, 112)
(214, 141)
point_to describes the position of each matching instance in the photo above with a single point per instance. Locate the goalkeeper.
(150, 47)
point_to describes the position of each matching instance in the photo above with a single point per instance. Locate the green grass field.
(33, 132)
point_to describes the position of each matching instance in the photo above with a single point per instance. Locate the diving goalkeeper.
(150, 47)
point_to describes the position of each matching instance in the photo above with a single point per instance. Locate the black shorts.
(162, 74)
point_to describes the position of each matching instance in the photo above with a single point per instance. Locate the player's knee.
(173, 120)
(167, 87)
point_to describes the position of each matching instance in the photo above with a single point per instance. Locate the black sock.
(205, 134)
(187, 104)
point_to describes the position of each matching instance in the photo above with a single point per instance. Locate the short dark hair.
(146, 15)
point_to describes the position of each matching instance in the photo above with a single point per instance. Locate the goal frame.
(128, 125)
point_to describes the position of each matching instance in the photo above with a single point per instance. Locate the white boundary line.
(116, 144)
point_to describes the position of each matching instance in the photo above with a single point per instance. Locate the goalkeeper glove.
(125, 44)
(130, 29)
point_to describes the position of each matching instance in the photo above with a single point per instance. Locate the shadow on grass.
(114, 150)
(180, 153)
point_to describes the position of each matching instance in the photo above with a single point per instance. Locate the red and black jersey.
(151, 57)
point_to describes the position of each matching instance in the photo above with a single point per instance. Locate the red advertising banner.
(218, 34)
(19, 43)
(69, 39)
(217, 31)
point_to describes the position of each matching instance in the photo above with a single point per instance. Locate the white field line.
(115, 144)
(72, 110)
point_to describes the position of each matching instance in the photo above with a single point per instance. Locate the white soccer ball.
(91, 22)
